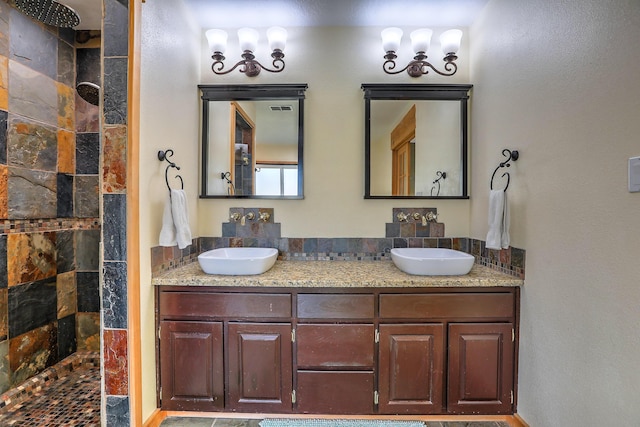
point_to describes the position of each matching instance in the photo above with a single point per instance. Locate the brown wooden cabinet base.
(338, 350)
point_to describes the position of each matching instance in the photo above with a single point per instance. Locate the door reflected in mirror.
(416, 141)
(252, 141)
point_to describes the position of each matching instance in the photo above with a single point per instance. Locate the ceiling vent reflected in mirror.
(281, 107)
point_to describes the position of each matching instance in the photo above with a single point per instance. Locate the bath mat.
(276, 422)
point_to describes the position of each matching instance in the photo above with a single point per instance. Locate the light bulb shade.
(277, 37)
(391, 39)
(217, 40)
(420, 39)
(450, 41)
(248, 39)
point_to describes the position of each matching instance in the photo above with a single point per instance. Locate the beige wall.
(334, 62)
(542, 85)
(168, 106)
(559, 81)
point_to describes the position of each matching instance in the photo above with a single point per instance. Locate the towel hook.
(440, 175)
(510, 155)
(164, 155)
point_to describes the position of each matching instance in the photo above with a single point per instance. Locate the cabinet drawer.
(335, 306)
(186, 305)
(467, 305)
(335, 392)
(335, 346)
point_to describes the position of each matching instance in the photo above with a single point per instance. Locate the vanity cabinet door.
(411, 365)
(260, 367)
(191, 365)
(481, 371)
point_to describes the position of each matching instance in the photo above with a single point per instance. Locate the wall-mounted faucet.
(245, 217)
(416, 216)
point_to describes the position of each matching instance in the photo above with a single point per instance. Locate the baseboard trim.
(156, 418)
(159, 415)
(520, 421)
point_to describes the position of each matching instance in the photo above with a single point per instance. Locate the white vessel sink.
(238, 261)
(432, 261)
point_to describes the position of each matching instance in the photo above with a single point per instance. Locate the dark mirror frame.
(443, 92)
(258, 92)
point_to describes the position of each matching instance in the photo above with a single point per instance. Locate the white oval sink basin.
(432, 261)
(238, 261)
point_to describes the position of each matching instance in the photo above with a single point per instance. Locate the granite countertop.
(336, 274)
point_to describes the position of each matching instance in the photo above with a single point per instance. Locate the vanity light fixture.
(248, 37)
(420, 40)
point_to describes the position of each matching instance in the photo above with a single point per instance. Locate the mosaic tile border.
(164, 259)
(8, 226)
(26, 390)
(410, 228)
(510, 261)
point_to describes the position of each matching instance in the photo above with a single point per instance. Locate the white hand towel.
(180, 218)
(498, 234)
(505, 240)
(168, 231)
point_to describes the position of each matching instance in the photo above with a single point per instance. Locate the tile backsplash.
(398, 234)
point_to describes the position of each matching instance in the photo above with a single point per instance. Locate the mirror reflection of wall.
(261, 135)
(413, 141)
(253, 146)
(434, 144)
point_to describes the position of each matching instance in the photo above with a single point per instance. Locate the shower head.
(90, 92)
(50, 12)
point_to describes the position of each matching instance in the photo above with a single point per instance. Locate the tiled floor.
(73, 400)
(225, 422)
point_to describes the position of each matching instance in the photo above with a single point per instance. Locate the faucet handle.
(431, 217)
(249, 216)
(235, 216)
(264, 216)
(402, 217)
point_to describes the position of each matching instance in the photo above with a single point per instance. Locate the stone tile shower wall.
(113, 193)
(49, 226)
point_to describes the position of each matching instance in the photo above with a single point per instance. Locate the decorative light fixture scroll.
(248, 37)
(420, 40)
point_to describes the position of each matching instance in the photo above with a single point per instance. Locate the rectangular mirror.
(416, 141)
(252, 141)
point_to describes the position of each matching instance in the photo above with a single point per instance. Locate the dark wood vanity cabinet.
(411, 368)
(193, 380)
(338, 351)
(463, 362)
(481, 368)
(335, 357)
(224, 350)
(259, 372)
